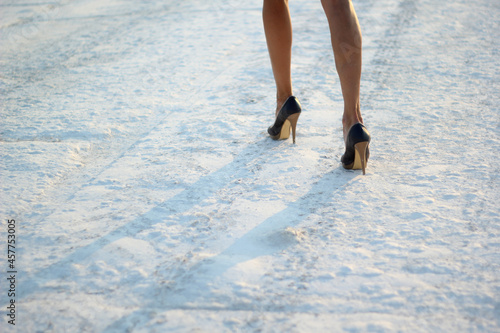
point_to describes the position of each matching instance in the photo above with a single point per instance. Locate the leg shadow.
(193, 288)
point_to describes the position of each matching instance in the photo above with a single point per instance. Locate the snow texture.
(148, 196)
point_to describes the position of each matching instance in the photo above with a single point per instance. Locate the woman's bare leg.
(278, 30)
(346, 42)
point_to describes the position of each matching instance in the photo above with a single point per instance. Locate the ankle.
(280, 101)
(348, 122)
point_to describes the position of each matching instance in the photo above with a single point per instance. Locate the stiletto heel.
(360, 156)
(356, 148)
(286, 120)
(293, 123)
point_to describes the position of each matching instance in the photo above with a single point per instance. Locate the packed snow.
(148, 197)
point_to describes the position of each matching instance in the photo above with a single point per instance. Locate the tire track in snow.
(381, 67)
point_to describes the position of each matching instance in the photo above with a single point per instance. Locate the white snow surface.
(148, 196)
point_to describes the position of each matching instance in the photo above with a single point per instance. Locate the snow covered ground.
(148, 197)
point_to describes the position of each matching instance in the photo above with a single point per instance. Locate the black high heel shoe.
(285, 120)
(356, 148)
